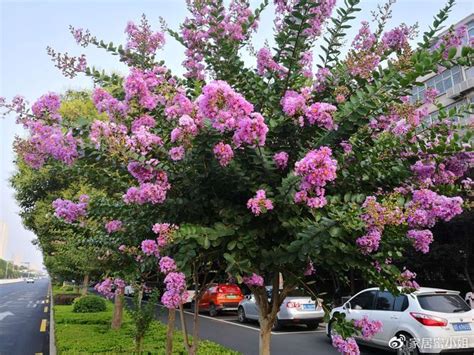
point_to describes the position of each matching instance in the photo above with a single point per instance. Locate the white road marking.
(5, 314)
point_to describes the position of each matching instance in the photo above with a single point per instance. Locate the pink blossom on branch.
(149, 247)
(70, 211)
(260, 203)
(368, 327)
(281, 160)
(345, 346)
(113, 226)
(421, 239)
(253, 280)
(224, 153)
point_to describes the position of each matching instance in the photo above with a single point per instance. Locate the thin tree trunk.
(85, 284)
(118, 309)
(194, 347)
(265, 337)
(139, 344)
(170, 331)
(184, 329)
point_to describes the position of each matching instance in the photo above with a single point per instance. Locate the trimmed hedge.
(89, 304)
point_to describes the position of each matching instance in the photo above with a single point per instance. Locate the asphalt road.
(24, 318)
(227, 331)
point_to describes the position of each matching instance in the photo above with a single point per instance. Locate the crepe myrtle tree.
(326, 165)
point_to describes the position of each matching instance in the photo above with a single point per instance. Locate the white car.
(428, 320)
(297, 308)
(30, 280)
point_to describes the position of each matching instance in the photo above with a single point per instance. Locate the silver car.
(297, 308)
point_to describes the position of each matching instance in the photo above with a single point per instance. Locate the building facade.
(455, 85)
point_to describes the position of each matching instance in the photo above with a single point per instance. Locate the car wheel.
(241, 315)
(212, 310)
(312, 325)
(408, 347)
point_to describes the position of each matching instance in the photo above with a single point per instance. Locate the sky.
(27, 27)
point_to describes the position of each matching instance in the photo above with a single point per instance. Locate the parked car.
(297, 308)
(30, 280)
(429, 320)
(220, 297)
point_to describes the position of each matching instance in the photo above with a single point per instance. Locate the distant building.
(455, 85)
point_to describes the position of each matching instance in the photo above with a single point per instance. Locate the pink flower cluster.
(47, 107)
(346, 147)
(267, 65)
(105, 102)
(164, 232)
(452, 39)
(318, 15)
(142, 39)
(105, 287)
(407, 280)
(113, 226)
(429, 173)
(186, 130)
(223, 153)
(397, 38)
(365, 39)
(47, 141)
(70, 211)
(281, 160)
(310, 270)
(427, 206)
(179, 105)
(260, 203)
(167, 265)
(316, 169)
(306, 63)
(150, 247)
(430, 95)
(319, 113)
(254, 280)
(251, 130)
(421, 239)
(321, 79)
(345, 346)
(111, 133)
(369, 242)
(153, 191)
(175, 292)
(367, 327)
(141, 84)
(223, 106)
(177, 153)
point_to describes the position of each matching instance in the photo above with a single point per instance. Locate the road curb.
(52, 337)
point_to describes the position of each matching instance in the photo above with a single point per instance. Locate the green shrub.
(89, 304)
(64, 299)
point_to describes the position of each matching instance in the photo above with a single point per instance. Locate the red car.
(220, 297)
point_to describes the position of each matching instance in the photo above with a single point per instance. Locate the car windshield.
(443, 303)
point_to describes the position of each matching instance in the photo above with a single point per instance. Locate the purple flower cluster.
(164, 232)
(223, 153)
(47, 106)
(295, 105)
(453, 39)
(251, 130)
(113, 226)
(430, 95)
(142, 39)
(153, 191)
(367, 327)
(316, 169)
(141, 84)
(407, 280)
(142, 173)
(321, 79)
(266, 64)
(421, 239)
(70, 211)
(149, 247)
(177, 153)
(105, 102)
(167, 265)
(429, 173)
(281, 160)
(105, 287)
(427, 206)
(260, 203)
(186, 130)
(369, 242)
(346, 147)
(179, 105)
(175, 290)
(365, 39)
(345, 346)
(397, 38)
(318, 15)
(254, 280)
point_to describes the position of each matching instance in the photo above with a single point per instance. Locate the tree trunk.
(118, 309)
(265, 337)
(85, 284)
(139, 344)
(170, 331)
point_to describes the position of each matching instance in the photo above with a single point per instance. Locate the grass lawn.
(88, 333)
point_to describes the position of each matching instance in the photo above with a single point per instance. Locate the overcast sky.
(27, 27)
